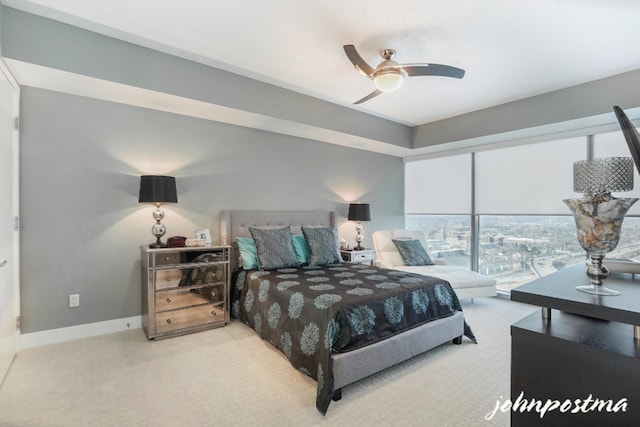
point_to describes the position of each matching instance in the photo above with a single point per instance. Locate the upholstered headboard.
(236, 224)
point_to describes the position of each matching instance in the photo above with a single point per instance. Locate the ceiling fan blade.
(368, 97)
(433, 70)
(357, 60)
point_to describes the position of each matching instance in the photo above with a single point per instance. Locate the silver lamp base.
(597, 273)
(158, 229)
(358, 246)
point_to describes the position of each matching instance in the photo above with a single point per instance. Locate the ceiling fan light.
(388, 80)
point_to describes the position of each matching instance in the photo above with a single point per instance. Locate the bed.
(336, 322)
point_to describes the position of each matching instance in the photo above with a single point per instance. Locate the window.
(613, 144)
(511, 206)
(518, 249)
(442, 188)
(438, 186)
(527, 179)
(448, 236)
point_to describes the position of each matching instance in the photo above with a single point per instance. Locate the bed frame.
(361, 363)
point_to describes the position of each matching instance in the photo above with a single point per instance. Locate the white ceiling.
(509, 49)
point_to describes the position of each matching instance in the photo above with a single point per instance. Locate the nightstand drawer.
(361, 256)
(364, 256)
(168, 278)
(173, 300)
(189, 317)
(166, 258)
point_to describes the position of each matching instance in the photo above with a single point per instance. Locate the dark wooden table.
(558, 291)
(581, 347)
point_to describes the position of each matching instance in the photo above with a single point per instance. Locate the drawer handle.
(168, 278)
(168, 300)
(169, 321)
(167, 258)
(213, 313)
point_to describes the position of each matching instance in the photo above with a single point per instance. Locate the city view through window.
(515, 250)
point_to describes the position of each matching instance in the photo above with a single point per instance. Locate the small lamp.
(157, 189)
(359, 212)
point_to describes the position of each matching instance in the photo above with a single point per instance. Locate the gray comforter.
(310, 312)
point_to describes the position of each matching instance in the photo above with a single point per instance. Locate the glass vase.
(598, 223)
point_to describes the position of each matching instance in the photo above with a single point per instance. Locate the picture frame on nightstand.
(204, 234)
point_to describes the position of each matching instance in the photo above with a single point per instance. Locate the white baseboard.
(52, 336)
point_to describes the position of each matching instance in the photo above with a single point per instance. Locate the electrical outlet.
(74, 300)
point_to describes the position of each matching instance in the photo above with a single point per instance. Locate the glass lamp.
(599, 215)
(359, 212)
(158, 189)
(388, 80)
(388, 75)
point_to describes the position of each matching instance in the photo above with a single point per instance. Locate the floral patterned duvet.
(311, 312)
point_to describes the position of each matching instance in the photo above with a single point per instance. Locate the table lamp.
(598, 214)
(359, 212)
(157, 189)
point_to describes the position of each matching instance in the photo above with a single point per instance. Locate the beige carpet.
(230, 377)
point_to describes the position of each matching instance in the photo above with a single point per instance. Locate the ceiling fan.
(388, 75)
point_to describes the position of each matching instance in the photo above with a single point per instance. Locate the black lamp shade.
(359, 212)
(157, 189)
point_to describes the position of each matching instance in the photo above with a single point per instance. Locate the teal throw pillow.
(248, 253)
(300, 248)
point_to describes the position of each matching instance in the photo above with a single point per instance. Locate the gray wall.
(81, 159)
(82, 224)
(560, 110)
(37, 40)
